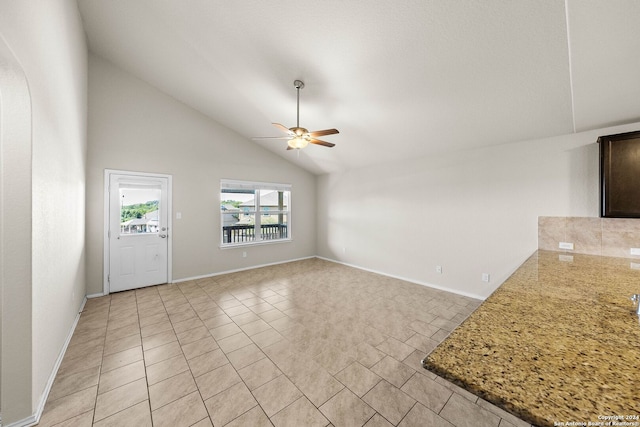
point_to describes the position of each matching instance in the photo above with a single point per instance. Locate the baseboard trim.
(205, 276)
(98, 295)
(35, 418)
(406, 279)
(29, 421)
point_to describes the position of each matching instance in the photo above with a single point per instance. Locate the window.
(139, 206)
(254, 212)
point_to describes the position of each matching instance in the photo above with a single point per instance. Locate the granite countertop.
(558, 342)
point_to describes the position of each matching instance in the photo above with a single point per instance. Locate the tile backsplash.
(594, 236)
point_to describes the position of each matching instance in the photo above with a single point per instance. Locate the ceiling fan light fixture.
(298, 142)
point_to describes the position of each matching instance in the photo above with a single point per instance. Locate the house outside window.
(254, 212)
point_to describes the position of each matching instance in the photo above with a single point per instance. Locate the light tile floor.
(307, 343)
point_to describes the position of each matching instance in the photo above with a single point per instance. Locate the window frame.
(254, 188)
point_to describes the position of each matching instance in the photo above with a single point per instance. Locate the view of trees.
(234, 203)
(138, 210)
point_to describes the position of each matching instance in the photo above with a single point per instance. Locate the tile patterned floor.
(307, 343)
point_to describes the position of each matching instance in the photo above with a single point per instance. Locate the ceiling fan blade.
(323, 132)
(283, 128)
(318, 142)
(271, 137)
(289, 147)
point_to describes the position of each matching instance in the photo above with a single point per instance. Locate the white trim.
(35, 418)
(26, 422)
(98, 295)
(429, 285)
(204, 276)
(231, 184)
(417, 282)
(105, 234)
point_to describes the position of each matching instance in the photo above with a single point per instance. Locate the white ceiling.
(398, 79)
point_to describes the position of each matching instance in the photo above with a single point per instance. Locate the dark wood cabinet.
(620, 175)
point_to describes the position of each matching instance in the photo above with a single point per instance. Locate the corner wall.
(48, 41)
(471, 212)
(135, 127)
(15, 244)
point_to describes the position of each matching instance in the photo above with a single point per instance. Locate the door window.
(139, 208)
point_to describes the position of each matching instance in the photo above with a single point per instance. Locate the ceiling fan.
(297, 136)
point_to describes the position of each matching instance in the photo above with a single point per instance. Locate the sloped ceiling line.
(398, 81)
(573, 106)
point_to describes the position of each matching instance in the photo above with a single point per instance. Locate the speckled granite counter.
(558, 342)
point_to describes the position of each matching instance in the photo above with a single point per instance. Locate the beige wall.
(470, 212)
(48, 40)
(135, 127)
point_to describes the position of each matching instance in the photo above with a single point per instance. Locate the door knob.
(163, 236)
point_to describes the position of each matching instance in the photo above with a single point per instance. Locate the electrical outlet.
(439, 269)
(566, 245)
(485, 277)
(635, 251)
(244, 254)
(178, 215)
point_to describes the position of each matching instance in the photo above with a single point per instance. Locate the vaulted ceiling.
(399, 79)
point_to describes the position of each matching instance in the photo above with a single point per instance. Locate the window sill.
(246, 244)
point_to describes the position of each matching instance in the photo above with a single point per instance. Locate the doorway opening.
(137, 230)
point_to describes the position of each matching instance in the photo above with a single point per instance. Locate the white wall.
(470, 212)
(15, 232)
(135, 127)
(48, 40)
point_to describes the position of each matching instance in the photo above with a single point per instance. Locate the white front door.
(138, 230)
